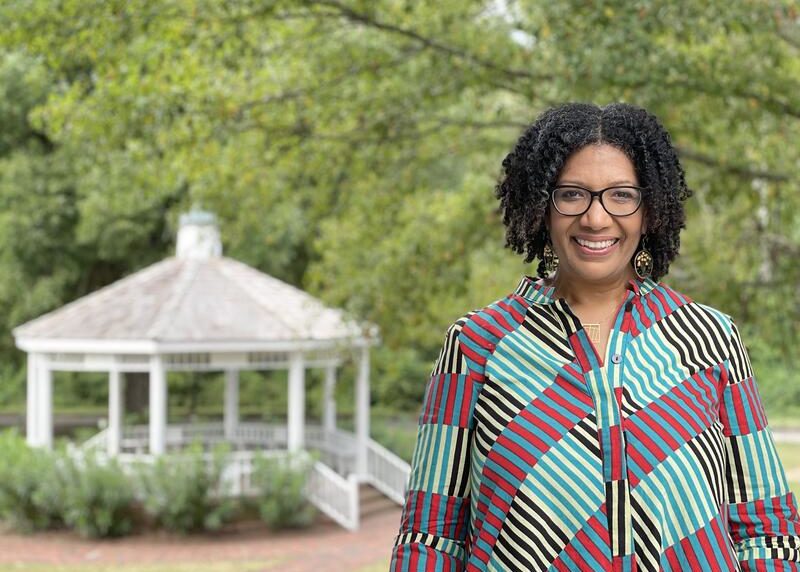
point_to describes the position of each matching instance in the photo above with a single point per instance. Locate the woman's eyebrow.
(612, 184)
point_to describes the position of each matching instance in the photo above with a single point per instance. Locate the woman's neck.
(590, 294)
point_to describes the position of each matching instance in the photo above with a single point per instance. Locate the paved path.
(326, 547)
(785, 435)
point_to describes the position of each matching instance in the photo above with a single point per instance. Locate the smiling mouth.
(596, 245)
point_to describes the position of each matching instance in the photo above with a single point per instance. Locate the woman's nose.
(596, 216)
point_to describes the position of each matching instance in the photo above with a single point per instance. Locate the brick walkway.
(324, 547)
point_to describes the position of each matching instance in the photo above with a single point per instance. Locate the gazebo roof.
(194, 300)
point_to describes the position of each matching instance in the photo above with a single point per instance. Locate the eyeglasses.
(571, 200)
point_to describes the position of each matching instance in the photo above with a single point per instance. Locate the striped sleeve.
(435, 521)
(762, 512)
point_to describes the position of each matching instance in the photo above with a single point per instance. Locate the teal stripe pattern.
(537, 453)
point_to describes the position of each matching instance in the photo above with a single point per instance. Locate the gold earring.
(550, 258)
(643, 261)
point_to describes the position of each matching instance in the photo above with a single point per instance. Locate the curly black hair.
(532, 169)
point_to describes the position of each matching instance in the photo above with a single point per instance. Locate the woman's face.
(596, 167)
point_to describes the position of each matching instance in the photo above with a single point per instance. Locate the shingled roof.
(217, 299)
(198, 296)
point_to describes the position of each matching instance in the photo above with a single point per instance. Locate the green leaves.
(184, 492)
(352, 147)
(98, 497)
(281, 482)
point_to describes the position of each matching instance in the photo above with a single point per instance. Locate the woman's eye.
(570, 194)
(623, 195)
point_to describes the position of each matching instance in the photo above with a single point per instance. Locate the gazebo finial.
(198, 235)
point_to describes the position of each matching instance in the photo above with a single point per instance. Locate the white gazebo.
(200, 311)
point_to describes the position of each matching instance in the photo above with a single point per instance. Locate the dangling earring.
(550, 258)
(643, 261)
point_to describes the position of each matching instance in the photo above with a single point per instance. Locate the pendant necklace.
(593, 329)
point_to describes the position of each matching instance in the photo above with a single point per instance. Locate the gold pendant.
(593, 331)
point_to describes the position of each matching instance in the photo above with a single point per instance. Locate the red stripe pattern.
(538, 452)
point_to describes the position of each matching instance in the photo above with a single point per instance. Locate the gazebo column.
(32, 403)
(297, 403)
(158, 406)
(231, 420)
(116, 406)
(362, 411)
(44, 397)
(39, 402)
(329, 400)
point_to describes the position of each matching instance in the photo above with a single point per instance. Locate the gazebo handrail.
(136, 437)
(387, 471)
(96, 441)
(334, 495)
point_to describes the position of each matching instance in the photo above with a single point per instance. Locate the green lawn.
(169, 567)
(263, 566)
(789, 454)
(382, 567)
(790, 457)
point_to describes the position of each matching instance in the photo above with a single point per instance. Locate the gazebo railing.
(387, 472)
(236, 478)
(334, 495)
(265, 435)
(97, 441)
(332, 486)
(337, 449)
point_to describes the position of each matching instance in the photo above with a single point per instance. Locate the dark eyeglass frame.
(599, 195)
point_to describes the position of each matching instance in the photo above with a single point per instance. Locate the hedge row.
(42, 489)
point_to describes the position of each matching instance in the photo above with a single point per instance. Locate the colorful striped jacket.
(533, 453)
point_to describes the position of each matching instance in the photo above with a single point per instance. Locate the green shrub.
(397, 431)
(184, 493)
(50, 495)
(99, 497)
(778, 387)
(29, 487)
(282, 481)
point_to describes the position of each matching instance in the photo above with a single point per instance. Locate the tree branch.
(738, 170)
(331, 82)
(365, 19)
(787, 31)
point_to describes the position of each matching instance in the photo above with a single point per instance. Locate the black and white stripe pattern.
(618, 507)
(646, 536)
(450, 359)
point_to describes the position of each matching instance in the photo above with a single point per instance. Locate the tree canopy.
(352, 147)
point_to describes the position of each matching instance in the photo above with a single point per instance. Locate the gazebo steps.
(372, 501)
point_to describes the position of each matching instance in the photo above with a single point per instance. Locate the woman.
(595, 419)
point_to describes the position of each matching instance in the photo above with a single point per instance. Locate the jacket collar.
(534, 290)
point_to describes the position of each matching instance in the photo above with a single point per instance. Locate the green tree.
(351, 147)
